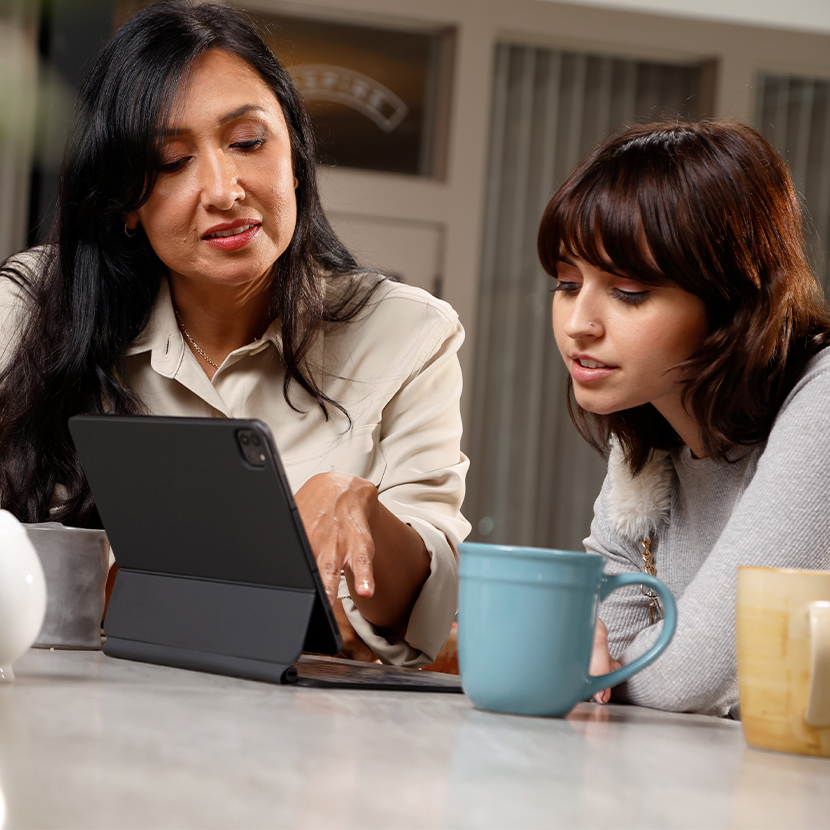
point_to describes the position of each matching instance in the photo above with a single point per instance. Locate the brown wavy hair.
(710, 207)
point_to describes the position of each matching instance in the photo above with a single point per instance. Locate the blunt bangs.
(632, 208)
(600, 220)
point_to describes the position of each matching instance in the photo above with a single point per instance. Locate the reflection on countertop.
(91, 741)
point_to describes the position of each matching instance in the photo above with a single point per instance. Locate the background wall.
(806, 15)
(433, 229)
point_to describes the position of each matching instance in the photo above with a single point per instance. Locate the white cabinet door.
(410, 250)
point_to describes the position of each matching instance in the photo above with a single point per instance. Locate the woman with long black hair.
(695, 335)
(193, 272)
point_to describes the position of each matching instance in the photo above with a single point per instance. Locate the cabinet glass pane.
(374, 94)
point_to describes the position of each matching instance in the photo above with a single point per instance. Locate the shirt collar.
(164, 340)
(161, 336)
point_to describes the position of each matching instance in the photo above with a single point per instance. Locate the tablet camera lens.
(252, 447)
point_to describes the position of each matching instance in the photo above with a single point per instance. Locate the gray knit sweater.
(771, 508)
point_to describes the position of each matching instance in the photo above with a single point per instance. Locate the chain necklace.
(648, 567)
(192, 342)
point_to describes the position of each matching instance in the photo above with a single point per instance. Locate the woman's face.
(223, 209)
(620, 338)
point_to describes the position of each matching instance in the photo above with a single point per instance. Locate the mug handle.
(818, 706)
(611, 583)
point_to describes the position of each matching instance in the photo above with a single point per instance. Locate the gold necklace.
(192, 342)
(648, 567)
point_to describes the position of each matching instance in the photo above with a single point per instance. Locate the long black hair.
(708, 206)
(91, 290)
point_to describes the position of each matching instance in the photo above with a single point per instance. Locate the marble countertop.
(94, 742)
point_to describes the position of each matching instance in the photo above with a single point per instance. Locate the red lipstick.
(232, 236)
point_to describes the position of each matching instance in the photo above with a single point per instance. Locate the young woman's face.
(223, 209)
(621, 339)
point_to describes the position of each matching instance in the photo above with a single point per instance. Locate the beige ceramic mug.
(783, 639)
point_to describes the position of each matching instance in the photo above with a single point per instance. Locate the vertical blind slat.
(787, 113)
(822, 211)
(510, 405)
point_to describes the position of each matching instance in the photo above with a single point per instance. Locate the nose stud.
(590, 323)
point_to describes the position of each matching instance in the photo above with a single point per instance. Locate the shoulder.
(800, 435)
(409, 300)
(28, 264)
(819, 364)
(395, 314)
(384, 293)
(812, 389)
(19, 275)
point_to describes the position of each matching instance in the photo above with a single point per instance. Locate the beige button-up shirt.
(395, 371)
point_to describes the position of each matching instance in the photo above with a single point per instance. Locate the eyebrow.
(172, 132)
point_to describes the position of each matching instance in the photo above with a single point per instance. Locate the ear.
(131, 220)
(296, 182)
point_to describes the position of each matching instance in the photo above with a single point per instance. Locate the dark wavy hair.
(94, 287)
(710, 207)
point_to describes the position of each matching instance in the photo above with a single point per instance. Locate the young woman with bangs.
(695, 336)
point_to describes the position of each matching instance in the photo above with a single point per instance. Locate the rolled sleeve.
(424, 487)
(433, 613)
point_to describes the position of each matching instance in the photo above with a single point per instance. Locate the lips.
(585, 369)
(231, 232)
(231, 236)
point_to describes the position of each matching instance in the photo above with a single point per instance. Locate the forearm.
(400, 566)
(780, 521)
(696, 672)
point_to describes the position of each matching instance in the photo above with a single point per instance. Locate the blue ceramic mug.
(526, 619)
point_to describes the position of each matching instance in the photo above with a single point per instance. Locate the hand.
(601, 660)
(353, 647)
(384, 560)
(337, 510)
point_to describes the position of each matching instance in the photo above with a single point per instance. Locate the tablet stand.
(251, 631)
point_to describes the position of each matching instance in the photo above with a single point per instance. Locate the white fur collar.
(639, 503)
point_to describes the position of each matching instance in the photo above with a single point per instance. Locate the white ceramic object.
(22, 593)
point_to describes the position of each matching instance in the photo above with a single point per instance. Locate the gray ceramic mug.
(75, 563)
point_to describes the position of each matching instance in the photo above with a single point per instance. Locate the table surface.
(90, 741)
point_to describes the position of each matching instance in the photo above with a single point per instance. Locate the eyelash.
(171, 166)
(628, 297)
(245, 146)
(249, 144)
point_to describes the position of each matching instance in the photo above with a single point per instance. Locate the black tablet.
(216, 572)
